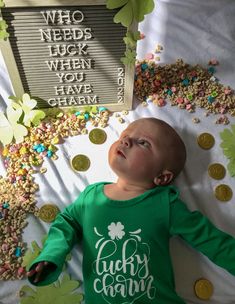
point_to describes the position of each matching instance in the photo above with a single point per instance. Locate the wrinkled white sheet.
(195, 30)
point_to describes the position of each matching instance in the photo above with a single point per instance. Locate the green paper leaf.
(228, 146)
(130, 10)
(31, 255)
(125, 15)
(27, 104)
(10, 128)
(130, 57)
(27, 289)
(142, 8)
(61, 292)
(231, 167)
(28, 300)
(74, 298)
(131, 39)
(4, 34)
(112, 4)
(68, 285)
(2, 4)
(226, 135)
(3, 26)
(54, 112)
(14, 98)
(229, 151)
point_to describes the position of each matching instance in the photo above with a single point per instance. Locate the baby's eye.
(143, 142)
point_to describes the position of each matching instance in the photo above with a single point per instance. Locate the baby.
(126, 226)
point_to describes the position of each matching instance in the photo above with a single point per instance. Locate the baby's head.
(148, 151)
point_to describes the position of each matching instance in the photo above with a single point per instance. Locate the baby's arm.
(202, 235)
(63, 234)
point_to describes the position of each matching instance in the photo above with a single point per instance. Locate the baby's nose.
(126, 141)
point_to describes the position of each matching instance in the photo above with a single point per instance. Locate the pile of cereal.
(185, 85)
(17, 189)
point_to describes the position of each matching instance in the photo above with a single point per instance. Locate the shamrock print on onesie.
(121, 266)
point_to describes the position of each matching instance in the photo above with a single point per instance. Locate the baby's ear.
(164, 178)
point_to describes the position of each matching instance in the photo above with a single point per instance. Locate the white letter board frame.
(120, 88)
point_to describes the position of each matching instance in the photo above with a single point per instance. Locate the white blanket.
(196, 31)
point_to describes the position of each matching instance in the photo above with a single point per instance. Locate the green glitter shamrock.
(3, 33)
(129, 58)
(60, 292)
(228, 146)
(130, 10)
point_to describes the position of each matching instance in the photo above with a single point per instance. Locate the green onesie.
(126, 255)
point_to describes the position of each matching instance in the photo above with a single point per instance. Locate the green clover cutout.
(2, 4)
(131, 39)
(130, 10)
(10, 128)
(27, 104)
(228, 146)
(63, 291)
(33, 252)
(54, 112)
(3, 33)
(130, 56)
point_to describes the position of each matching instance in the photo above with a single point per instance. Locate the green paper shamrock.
(10, 128)
(3, 33)
(228, 146)
(32, 254)
(27, 105)
(130, 10)
(129, 58)
(54, 112)
(2, 4)
(61, 292)
(131, 39)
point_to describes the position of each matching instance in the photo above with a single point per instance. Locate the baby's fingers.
(40, 266)
(37, 271)
(31, 273)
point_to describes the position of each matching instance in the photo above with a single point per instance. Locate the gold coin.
(205, 141)
(97, 136)
(80, 162)
(216, 171)
(48, 212)
(223, 193)
(203, 289)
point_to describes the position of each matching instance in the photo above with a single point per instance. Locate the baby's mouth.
(119, 152)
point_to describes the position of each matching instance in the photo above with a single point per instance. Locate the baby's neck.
(124, 191)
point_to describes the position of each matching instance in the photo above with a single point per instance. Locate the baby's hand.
(40, 270)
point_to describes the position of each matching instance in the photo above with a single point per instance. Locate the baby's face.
(138, 155)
